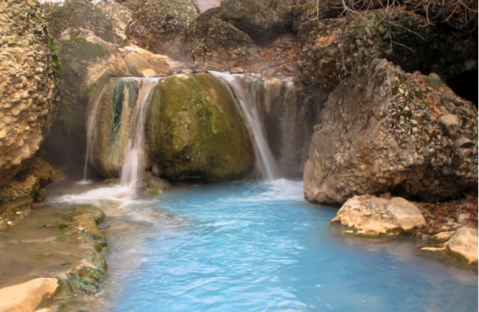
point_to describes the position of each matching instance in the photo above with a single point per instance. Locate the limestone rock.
(443, 236)
(88, 61)
(217, 45)
(26, 85)
(27, 296)
(138, 65)
(464, 242)
(196, 132)
(159, 63)
(370, 215)
(159, 24)
(380, 132)
(113, 124)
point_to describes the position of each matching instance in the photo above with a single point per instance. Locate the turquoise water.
(258, 246)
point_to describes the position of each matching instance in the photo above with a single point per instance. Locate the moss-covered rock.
(112, 125)
(218, 45)
(158, 25)
(196, 132)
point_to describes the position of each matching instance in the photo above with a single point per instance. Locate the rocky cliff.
(26, 84)
(383, 130)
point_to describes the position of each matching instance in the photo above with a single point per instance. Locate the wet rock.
(443, 236)
(87, 224)
(27, 296)
(217, 45)
(158, 25)
(461, 249)
(372, 216)
(196, 132)
(113, 124)
(88, 62)
(380, 132)
(464, 242)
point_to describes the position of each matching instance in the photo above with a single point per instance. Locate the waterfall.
(132, 164)
(266, 162)
(90, 127)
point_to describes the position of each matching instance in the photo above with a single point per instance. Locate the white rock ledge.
(372, 216)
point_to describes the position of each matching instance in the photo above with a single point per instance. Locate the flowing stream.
(246, 98)
(258, 246)
(132, 164)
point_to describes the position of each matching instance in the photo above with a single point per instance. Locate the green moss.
(434, 81)
(196, 130)
(395, 89)
(123, 86)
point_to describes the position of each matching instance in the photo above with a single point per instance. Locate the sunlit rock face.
(196, 132)
(383, 130)
(372, 216)
(26, 84)
(158, 25)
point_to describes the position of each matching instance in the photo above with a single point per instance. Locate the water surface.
(258, 246)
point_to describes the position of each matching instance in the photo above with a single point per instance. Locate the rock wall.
(26, 84)
(383, 130)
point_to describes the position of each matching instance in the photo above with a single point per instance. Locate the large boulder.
(196, 132)
(112, 125)
(372, 216)
(27, 296)
(334, 48)
(218, 45)
(26, 84)
(262, 20)
(80, 14)
(380, 131)
(158, 25)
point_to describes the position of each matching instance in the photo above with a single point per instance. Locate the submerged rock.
(27, 296)
(380, 132)
(461, 249)
(370, 215)
(196, 132)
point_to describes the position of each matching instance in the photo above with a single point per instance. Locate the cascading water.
(132, 168)
(90, 127)
(267, 164)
